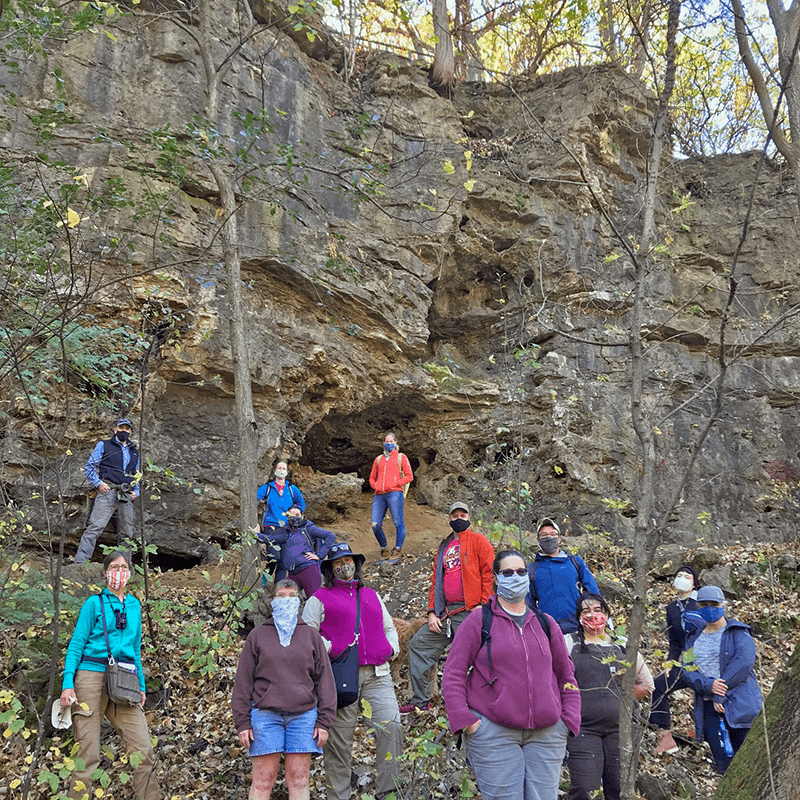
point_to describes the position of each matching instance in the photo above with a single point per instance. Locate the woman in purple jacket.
(284, 696)
(332, 610)
(512, 693)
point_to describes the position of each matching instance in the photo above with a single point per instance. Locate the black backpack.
(487, 615)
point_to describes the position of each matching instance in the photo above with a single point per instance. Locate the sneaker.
(666, 744)
(383, 556)
(409, 707)
(395, 558)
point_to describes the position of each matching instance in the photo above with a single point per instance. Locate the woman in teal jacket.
(84, 674)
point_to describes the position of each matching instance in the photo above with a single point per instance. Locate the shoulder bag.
(345, 666)
(122, 680)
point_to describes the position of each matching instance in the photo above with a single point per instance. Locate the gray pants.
(424, 650)
(516, 763)
(105, 504)
(385, 722)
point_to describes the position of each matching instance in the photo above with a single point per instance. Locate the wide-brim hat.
(339, 550)
(61, 716)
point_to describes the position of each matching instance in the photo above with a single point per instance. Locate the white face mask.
(281, 473)
(683, 583)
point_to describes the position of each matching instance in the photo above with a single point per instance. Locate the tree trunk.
(229, 236)
(443, 71)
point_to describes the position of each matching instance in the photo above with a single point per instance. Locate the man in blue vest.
(113, 469)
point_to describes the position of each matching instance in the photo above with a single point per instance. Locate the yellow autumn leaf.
(469, 185)
(449, 168)
(73, 218)
(81, 179)
(16, 782)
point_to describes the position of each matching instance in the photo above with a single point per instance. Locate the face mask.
(284, 616)
(281, 473)
(123, 436)
(711, 613)
(513, 588)
(683, 583)
(594, 622)
(344, 571)
(389, 446)
(459, 525)
(118, 579)
(294, 521)
(548, 544)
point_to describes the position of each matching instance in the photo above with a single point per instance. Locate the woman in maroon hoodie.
(512, 693)
(284, 696)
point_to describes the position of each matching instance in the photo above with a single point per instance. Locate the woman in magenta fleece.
(333, 610)
(519, 702)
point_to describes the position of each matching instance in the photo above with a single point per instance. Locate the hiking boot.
(395, 557)
(666, 744)
(409, 707)
(383, 556)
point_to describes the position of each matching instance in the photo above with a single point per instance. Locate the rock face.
(475, 302)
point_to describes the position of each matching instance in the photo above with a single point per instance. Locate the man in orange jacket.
(462, 579)
(391, 474)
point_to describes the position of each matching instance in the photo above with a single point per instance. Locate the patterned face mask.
(117, 579)
(594, 621)
(284, 615)
(344, 570)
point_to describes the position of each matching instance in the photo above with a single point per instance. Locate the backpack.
(487, 615)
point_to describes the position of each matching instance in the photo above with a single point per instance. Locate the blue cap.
(123, 421)
(710, 594)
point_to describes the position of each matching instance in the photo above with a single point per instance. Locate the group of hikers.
(533, 673)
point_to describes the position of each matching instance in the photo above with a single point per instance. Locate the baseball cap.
(710, 594)
(546, 522)
(458, 505)
(123, 421)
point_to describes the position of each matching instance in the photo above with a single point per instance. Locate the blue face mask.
(513, 588)
(711, 613)
(389, 446)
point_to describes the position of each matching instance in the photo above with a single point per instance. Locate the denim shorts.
(278, 732)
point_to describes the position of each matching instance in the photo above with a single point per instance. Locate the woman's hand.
(719, 687)
(719, 708)
(434, 623)
(320, 736)
(246, 737)
(311, 556)
(68, 697)
(144, 699)
(472, 728)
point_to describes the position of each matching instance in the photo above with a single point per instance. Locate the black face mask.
(295, 521)
(459, 525)
(123, 436)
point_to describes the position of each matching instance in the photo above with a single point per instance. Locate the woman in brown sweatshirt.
(284, 696)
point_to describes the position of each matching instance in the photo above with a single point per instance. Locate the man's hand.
(245, 737)
(103, 487)
(434, 623)
(719, 708)
(321, 736)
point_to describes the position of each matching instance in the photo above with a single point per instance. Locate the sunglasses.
(507, 573)
(343, 549)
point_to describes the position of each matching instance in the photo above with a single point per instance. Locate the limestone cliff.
(476, 303)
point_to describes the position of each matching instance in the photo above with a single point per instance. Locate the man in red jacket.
(391, 474)
(462, 579)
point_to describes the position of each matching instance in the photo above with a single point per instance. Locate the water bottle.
(725, 738)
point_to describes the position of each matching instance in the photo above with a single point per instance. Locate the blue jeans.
(711, 733)
(281, 732)
(393, 501)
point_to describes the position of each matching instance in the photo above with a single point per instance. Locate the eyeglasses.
(122, 619)
(116, 567)
(507, 573)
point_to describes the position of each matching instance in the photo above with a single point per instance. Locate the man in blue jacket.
(113, 469)
(557, 578)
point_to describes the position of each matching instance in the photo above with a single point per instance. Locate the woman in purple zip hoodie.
(513, 693)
